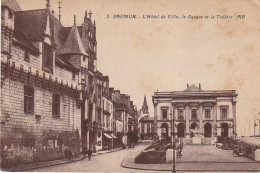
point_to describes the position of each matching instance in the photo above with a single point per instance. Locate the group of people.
(69, 153)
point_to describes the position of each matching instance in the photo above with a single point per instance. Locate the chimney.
(199, 86)
(187, 85)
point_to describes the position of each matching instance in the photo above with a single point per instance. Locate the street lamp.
(173, 143)
(256, 124)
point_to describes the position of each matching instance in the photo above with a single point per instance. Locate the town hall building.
(197, 113)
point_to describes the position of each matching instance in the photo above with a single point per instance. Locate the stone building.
(197, 113)
(109, 135)
(125, 115)
(53, 97)
(40, 88)
(146, 122)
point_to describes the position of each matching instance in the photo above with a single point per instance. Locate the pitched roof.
(73, 43)
(64, 63)
(22, 39)
(193, 88)
(32, 23)
(12, 4)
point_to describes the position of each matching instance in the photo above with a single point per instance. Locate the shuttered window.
(56, 105)
(28, 99)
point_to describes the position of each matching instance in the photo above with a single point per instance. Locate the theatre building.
(200, 114)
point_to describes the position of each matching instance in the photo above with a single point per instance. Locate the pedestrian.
(66, 153)
(89, 154)
(70, 154)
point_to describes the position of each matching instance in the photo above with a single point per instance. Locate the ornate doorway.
(207, 130)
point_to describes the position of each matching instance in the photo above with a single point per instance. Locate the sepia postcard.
(130, 86)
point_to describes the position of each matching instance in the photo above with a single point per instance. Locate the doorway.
(207, 130)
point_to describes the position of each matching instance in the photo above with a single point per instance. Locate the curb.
(189, 170)
(123, 166)
(43, 166)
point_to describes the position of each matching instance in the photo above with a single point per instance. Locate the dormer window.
(47, 58)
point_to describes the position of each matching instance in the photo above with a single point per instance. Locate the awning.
(108, 136)
(113, 136)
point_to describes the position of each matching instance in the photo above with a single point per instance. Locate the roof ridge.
(26, 11)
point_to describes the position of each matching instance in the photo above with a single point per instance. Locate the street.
(108, 162)
(195, 158)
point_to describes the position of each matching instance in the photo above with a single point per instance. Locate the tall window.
(207, 113)
(194, 114)
(142, 127)
(224, 112)
(180, 113)
(28, 99)
(148, 128)
(152, 127)
(47, 58)
(164, 113)
(56, 105)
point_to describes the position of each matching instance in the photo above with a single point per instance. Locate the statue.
(195, 132)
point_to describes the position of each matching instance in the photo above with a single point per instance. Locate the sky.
(144, 55)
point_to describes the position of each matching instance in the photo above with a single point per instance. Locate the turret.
(74, 50)
(8, 10)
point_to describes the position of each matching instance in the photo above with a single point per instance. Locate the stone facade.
(196, 113)
(37, 134)
(53, 97)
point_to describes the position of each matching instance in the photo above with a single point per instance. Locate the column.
(200, 118)
(187, 119)
(155, 116)
(234, 115)
(214, 114)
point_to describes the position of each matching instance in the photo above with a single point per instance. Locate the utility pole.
(254, 125)
(173, 144)
(249, 130)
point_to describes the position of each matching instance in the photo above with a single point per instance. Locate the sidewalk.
(199, 158)
(20, 168)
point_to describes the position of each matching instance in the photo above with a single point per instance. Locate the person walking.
(70, 154)
(66, 153)
(89, 154)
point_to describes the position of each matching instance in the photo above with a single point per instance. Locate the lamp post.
(173, 144)
(256, 124)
